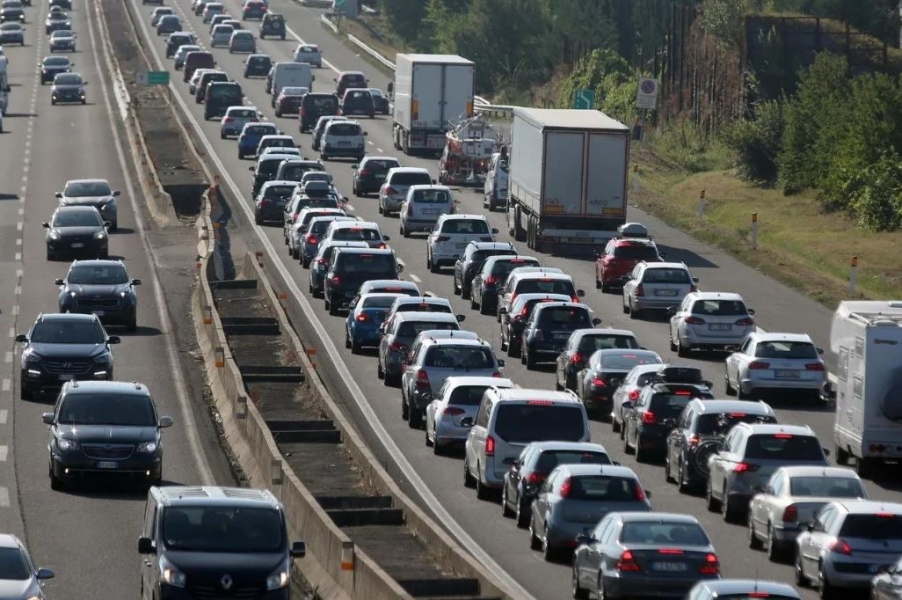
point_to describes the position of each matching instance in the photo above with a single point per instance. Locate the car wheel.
(415, 420)
(682, 350)
(469, 482)
(521, 516)
(534, 542)
(754, 542)
(605, 288)
(333, 308)
(641, 453)
(549, 553)
(668, 471)
(506, 512)
(114, 226)
(775, 550)
(578, 592)
(625, 308)
(56, 483)
(712, 503)
(824, 589)
(484, 309)
(615, 425)
(482, 492)
(682, 486)
(627, 449)
(801, 579)
(730, 390)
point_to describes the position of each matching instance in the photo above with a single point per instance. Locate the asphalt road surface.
(778, 309)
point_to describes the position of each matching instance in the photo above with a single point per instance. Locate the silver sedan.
(19, 577)
(776, 362)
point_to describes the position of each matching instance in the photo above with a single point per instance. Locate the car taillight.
(390, 191)
(791, 514)
(628, 562)
(336, 280)
(453, 411)
(536, 478)
(758, 365)
(633, 395)
(577, 358)
(649, 417)
(311, 239)
(489, 446)
(491, 280)
(397, 347)
(841, 547)
(695, 321)
(228, 120)
(693, 440)
(565, 488)
(363, 318)
(746, 322)
(711, 566)
(745, 468)
(442, 238)
(574, 299)
(640, 290)
(362, 173)
(422, 378)
(598, 382)
(639, 493)
(818, 366)
(497, 374)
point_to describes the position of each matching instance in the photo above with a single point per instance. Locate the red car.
(619, 258)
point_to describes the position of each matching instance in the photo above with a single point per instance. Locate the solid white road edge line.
(203, 466)
(430, 500)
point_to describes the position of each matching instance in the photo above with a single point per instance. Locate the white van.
(291, 74)
(510, 419)
(495, 189)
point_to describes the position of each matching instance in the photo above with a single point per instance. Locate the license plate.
(107, 465)
(665, 293)
(668, 566)
(786, 374)
(582, 240)
(718, 327)
(99, 313)
(430, 211)
(562, 336)
(460, 246)
(78, 245)
(343, 144)
(379, 177)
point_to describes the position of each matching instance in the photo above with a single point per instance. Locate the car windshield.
(86, 188)
(97, 275)
(784, 447)
(68, 79)
(107, 409)
(715, 308)
(56, 61)
(676, 276)
(872, 527)
(718, 424)
(410, 329)
(539, 421)
(590, 343)
(81, 218)
(564, 317)
(13, 566)
(826, 487)
(460, 357)
(546, 285)
(67, 332)
(549, 459)
(218, 528)
(601, 488)
(786, 350)
(356, 234)
(667, 533)
(635, 252)
(340, 128)
(467, 395)
(432, 196)
(466, 226)
(625, 362)
(368, 264)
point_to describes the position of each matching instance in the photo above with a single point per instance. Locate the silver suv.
(656, 286)
(345, 139)
(435, 356)
(398, 333)
(423, 206)
(451, 235)
(397, 181)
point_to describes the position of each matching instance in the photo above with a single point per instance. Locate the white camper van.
(867, 338)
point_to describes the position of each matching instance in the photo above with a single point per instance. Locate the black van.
(273, 24)
(315, 106)
(220, 96)
(358, 101)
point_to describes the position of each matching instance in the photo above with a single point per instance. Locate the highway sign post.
(584, 99)
(646, 100)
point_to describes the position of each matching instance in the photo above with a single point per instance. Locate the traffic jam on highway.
(561, 180)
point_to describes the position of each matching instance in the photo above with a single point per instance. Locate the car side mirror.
(596, 321)
(580, 294)
(298, 549)
(826, 451)
(434, 182)
(45, 225)
(251, 169)
(113, 339)
(107, 224)
(695, 280)
(616, 463)
(501, 362)
(136, 282)
(85, 82)
(502, 311)
(145, 546)
(58, 281)
(494, 230)
(43, 573)
(809, 526)
(385, 238)
(671, 311)
(117, 192)
(47, 418)
(647, 494)
(752, 311)
(165, 422)
(584, 538)
(662, 254)
(366, 133)
(820, 350)
(22, 338)
(355, 167)
(400, 268)
(466, 422)
(335, 79)
(460, 318)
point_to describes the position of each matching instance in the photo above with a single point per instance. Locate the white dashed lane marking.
(4, 497)
(4, 416)
(6, 386)
(415, 279)
(4, 452)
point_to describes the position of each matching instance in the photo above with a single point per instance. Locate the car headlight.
(148, 447)
(99, 235)
(171, 576)
(54, 235)
(104, 359)
(66, 445)
(73, 294)
(279, 578)
(33, 357)
(123, 294)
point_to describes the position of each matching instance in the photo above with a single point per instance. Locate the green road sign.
(584, 99)
(152, 78)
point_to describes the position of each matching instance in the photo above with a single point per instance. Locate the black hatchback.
(654, 416)
(370, 174)
(350, 268)
(257, 65)
(358, 102)
(102, 288)
(76, 230)
(549, 328)
(316, 105)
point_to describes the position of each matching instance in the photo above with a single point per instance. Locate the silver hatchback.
(423, 206)
(457, 399)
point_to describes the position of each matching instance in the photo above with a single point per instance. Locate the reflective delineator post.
(242, 407)
(754, 231)
(208, 315)
(636, 178)
(853, 275)
(701, 204)
(219, 356)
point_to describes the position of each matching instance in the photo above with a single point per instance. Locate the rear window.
(424, 307)
(294, 172)
(356, 234)
(260, 129)
(714, 423)
(550, 459)
(636, 252)
(656, 533)
(786, 350)
(466, 226)
(242, 113)
(480, 255)
(784, 447)
(220, 92)
(526, 311)
(321, 102)
(460, 357)
(358, 96)
(590, 343)
(625, 362)
(467, 395)
(675, 276)
(546, 286)
(565, 316)
(714, 308)
(269, 167)
(366, 264)
(411, 179)
(393, 289)
(378, 302)
(411, 329)
(502, 268)
(279, 191)
(432, 197)
(669, 406)
(600, 487)
(328, 202)
(539, 422)
(380, 166)
(308, 216)
(344, 129)
(829, 487)
(872, 527)
(321, 226)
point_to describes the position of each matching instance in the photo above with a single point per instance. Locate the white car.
(419, 304)
(310, 54)
(776, 362)
(656, 286)
(709, 321)
(236, 118)
(423, 206)
(457, 399)
(221, 36)
(451, 235)
(790, 501)
(357, 231)
(181, 53)
(398, 180)
(345, 139)
(61, 40)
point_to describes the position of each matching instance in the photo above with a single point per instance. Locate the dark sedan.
(68, 87)
(76, 230)
(51, 66)
(381, 101)
(105, 428)
(61, 347)
(102, 288)
(370, 174)
(604, 372)
(582, 344)
(257, 65)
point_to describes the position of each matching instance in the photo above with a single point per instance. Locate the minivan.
(358, 102)
(220, 96)
(314, 106)
(197, 60)
(290, 74)
(507, 421)
(423, 207)
(349, 79)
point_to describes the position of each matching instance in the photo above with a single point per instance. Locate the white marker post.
(635, 178)
(701, 204)
(853, 275)
(754, 231)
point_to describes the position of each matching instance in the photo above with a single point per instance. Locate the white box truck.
(568, 177)
(432, 93)
(867, 339)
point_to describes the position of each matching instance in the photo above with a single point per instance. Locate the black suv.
(272, 24)
(219, 96)
(470, 263)
(490, 279)
(176, 39)
(316, 105)
(102, 288)
(105, 428)
(215, 542)
(62, 347)
(370, 174)
(358, 102)
(699, 433)
(653, 416)
(200, 93)
(257, 65)
(548, 329)
(351, 267)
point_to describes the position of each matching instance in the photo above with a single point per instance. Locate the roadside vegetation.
(814, 149)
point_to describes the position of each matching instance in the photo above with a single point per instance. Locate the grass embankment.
(798, 244)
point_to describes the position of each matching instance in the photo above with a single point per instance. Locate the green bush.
(756, 143)
(875, 194)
